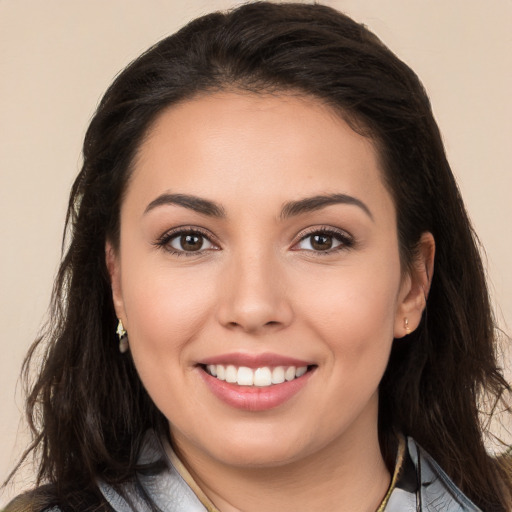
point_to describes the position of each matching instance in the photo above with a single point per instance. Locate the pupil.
(322, 242)
(191, 242)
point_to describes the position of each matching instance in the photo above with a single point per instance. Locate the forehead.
(283, 146)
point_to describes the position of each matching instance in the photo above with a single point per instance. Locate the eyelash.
(345, 240)
(164, 242)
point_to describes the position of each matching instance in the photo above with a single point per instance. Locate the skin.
(258, 286)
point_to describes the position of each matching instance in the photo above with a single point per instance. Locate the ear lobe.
(114, 270)
(415, 287)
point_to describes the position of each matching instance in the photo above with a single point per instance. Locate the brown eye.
(190, 242)
(325, 241)
(321, 242)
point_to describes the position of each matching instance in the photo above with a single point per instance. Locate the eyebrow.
(309, 204)
(290, 209)
(199, 205)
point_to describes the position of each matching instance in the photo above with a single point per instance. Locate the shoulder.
(37, 500)
(44, 499)
(420, 485)
(436, 490)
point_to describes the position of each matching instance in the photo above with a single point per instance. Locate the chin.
(260, 447)
(254, 457)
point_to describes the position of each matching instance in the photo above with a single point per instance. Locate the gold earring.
(123, 338)
(407, 328)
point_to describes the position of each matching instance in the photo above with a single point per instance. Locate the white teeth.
(278, 375)
(260, 377)
(263, 377)
(221, 372)
(299, 372)
(231, 374)
(245, 376)
(289, 374)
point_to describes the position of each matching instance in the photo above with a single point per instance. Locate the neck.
(349, 474)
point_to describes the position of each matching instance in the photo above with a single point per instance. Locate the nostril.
(254, 314)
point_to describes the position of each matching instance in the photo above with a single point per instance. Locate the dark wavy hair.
(88, 409)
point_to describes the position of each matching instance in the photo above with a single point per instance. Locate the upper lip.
(255, 360)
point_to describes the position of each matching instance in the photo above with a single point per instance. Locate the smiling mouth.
(265, 376)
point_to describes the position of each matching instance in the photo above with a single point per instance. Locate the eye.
(324, 241)
(190, 242)
(185, 242)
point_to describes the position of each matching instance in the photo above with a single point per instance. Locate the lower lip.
(253, 398)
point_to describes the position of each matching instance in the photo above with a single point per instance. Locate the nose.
(253, 298)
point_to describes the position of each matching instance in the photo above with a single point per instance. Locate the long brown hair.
(88, 409)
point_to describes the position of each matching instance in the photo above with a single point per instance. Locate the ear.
(415, 287)
(114, 269)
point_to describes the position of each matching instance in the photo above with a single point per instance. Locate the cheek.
(166, 310)
(354, 309)
(165, 307)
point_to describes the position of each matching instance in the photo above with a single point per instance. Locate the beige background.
(58, 56)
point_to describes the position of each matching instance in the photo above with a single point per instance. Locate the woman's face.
(258, 242)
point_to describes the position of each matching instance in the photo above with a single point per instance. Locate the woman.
(266, 218)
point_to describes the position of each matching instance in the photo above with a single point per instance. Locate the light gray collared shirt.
(419, 485)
